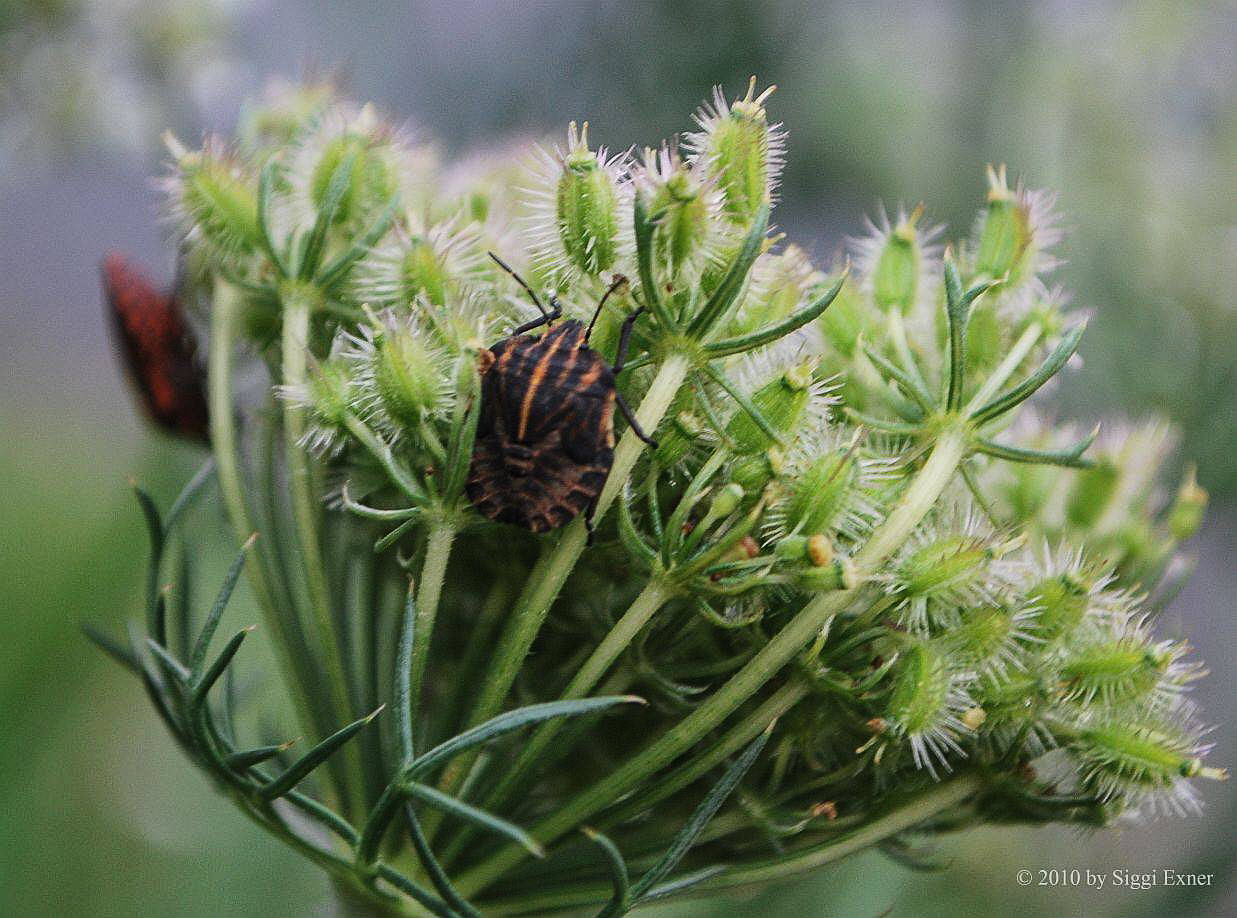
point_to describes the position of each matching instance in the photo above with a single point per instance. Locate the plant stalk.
(305, 511)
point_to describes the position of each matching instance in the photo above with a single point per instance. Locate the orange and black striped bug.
(545, 436)
(158, 349)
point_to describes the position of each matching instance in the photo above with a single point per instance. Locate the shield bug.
(545, 436)
(157, 347)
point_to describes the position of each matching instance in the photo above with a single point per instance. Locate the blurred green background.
(1128, 109)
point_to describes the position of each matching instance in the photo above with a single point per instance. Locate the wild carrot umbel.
(848, 586)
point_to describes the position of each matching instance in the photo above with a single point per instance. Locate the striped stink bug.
(545, 436)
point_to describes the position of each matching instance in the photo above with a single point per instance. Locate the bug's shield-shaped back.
(545, 437)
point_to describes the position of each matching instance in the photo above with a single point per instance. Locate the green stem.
(226, 302)
(923, 806)
(433, 572)
(651, 598)
(916, 501)
(556, 562)
(736, 739)
(305, 508)
(1005, 369)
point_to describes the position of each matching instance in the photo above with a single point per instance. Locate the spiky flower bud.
(1062, 601)
(329, 394)
(214, 199)
(894, 260)
(819, 492)
(1186, 514)
(781, 402)
(406, 376)
(684, 206)
(577, 203)
(926, 702)
(1013, 234)
(1144, 758)
(740, 150)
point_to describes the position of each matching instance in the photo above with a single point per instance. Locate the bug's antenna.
(618, 281)
(519, 280)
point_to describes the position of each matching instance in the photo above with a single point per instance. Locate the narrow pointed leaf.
(266, 191)
(513, 720)
(628, 534)
(957, 309)
(113, 648)
(341, 178)
(339, 267)
(732, 283)
(202, 644)
(743, 402)
(780, 330)
(458, 808)
(644, 226)
(301, 768)
(207, 680)
(168, 663)
(1050, 367)
(619, 876)
(434, 870)
(323, 815)
(700, 818)
(393, 536)
(901, 377)
(188, 493)
(155, 624)
(247, 758)
(403, 676)
(1070, 458)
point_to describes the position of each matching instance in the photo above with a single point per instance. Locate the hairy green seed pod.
(218, 202)
(1186, 515)
(682, 222)
(1136, 756)
(423, 273)
(1121, 669)
(1006, 234)
(920, 695)
(371, 183)
(1062, 602)
(943, 564)
(742, 152)
(781, 402)
(984, 633)
(755, 471)
(895, 274)
(818, 493)
(330, 393)
(1011, 699)
(406, 376)
(587, 207)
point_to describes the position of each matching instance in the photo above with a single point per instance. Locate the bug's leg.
(546, 316)
(631, 420)
(620, 354)
(618, 281)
